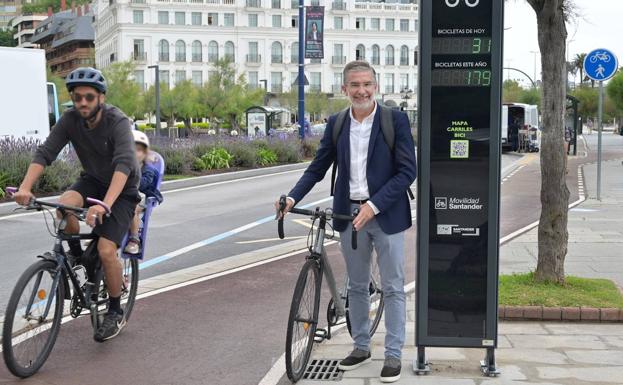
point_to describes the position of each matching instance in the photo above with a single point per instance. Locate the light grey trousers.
(390, 251)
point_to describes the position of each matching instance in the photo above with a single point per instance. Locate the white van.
(28, 103)
(520, 127)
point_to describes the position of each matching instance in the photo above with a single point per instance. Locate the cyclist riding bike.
(102, 138)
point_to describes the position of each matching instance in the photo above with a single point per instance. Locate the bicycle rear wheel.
(376, 301)
(28, 333)
(303, 320)
(130, 285)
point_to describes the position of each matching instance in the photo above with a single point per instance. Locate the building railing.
(138, 1)
(294, 59)
(338, 60)
(336, 88)
(314, 88)
(254, 58)
(139, 56)
(212, 58)
(163, 57)
(197, 58)
(386, 7)
(294, 4)
(376, 60)
(276, 88)
(389, 61)
(389, 89)
(200, 2)
(254, 3)
(276, 59)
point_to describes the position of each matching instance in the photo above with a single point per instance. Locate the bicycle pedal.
(321, 335)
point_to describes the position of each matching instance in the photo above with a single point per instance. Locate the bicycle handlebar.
(315, 214)
(37, 204)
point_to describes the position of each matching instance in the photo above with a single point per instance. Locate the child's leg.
(135, 223)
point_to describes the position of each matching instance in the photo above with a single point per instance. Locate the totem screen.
(461, 131)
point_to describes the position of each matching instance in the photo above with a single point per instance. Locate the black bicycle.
(35, 310)
(302, 329)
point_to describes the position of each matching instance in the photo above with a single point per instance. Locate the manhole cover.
(323, 370)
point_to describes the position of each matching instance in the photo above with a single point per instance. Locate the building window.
(294, 4)
(212, 52)
(315, 2)
(254, 3)
(228, 20)
(276, 21)
(295, 21)
(253, 80)
(212, 18)
(180, 76)
(338, 22)
(164, 77)
(180, 18)
(416, 24)
(253, 20)
(415, 57)
(360, 24)
(139, 78)
(253, 56)
(195, 18)
(197, 78)
(314, 82)
(389, 55)
(163, 50)
(389, 83)
(276, 4)
(338, 54)
(376, 55)
(404, 55)
(137, 17)
(196, 52)
(229, 51)
(360, 52)
(163, 17)
(180, 51)
(375, 24)
(276, 52)
(139, 49)
(390, 25)
(276, 82)
(337, 82)
(404, 25)
(404, 82)
(294, 52)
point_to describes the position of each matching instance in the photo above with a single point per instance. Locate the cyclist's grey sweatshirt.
(107, 148)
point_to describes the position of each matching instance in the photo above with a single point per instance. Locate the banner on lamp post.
(314, 32)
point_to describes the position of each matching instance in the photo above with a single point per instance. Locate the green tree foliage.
(61, 89)
(513, 92)
(6, 38)
(578, 63)
(589, 99)
(123, 92)
(615, 92)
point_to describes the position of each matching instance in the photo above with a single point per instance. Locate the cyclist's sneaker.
(133, 246)
(391, 370)
(355, 359)
(111, 327)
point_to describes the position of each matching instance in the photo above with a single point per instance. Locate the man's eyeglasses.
(77, 98)
(366, 85)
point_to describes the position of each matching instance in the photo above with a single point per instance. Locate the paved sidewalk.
(533, 353)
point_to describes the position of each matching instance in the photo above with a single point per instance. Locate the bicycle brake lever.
(280, 215)
(353, 238)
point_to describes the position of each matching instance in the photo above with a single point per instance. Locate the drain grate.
(323, 370)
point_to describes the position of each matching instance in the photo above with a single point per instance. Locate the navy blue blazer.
(389, 175)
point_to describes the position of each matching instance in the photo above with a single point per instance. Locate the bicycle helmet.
(140, 137)
(86, 76)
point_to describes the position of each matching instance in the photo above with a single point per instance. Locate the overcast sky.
(600, 25)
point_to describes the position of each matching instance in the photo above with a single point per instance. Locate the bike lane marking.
(176, 253)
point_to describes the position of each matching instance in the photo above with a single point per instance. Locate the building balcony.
(276, 88)
(336, 88)
(138, 1)
(254, 59)
(294, 59)
(253, 3)
(139, 56)
(294, 4)
(314, 88)
(338, 6)
(163, 58)
(212, 58)
(276, 59)
(196, 58)
(338, 60)
(389, 89)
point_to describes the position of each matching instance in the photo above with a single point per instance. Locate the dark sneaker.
(110, 327)
(391, 370)
(356, 358)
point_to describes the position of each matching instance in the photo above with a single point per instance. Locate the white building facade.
(186, 37)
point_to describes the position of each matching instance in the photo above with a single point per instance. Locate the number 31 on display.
(455, 3)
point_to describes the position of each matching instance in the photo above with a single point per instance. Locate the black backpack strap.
(337, 129)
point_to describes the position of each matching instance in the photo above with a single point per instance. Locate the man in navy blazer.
(375, 179)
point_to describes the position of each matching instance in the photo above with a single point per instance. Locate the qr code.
(459, 149)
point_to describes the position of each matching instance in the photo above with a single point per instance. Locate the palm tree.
(578, 63)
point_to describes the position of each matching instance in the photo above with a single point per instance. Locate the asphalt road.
(227, 330)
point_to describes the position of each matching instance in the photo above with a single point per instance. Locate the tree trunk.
(553, 235)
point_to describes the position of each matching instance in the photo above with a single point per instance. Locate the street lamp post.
(301, 77)
(156, 67)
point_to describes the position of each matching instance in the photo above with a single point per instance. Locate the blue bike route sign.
(600, 65)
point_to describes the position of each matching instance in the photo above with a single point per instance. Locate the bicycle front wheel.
(32, 319)
(303, 320)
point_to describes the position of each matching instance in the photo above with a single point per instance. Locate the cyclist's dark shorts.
(116, 226)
